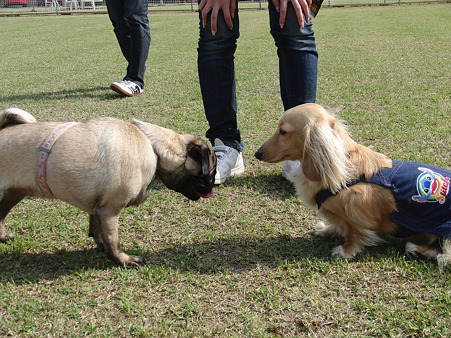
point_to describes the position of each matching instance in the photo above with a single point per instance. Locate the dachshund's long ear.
(325, 157)
(309, 169)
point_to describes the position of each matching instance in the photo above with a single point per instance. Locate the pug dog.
(100, 166)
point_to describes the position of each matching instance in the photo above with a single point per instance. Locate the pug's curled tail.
(14, 116)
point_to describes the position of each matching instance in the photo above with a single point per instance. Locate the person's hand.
(301, 8)
(214, 6)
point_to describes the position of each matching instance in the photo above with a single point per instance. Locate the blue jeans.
(131, 26)
(298, 68)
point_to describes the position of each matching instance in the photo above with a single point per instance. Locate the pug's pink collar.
(44, 152)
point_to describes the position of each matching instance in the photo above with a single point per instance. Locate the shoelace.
(219, 152)
(133, 87)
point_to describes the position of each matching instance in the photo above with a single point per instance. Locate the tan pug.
(100, 166)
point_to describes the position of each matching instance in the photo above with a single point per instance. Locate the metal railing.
(29, 7)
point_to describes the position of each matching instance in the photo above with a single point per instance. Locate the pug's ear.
(198, 159)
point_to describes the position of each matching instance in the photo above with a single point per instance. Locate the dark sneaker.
(127, 88)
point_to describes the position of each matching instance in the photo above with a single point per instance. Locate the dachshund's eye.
(282, 132)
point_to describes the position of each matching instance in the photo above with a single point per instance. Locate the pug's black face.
(196, 177)
(197, 187)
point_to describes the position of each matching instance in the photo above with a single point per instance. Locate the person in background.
(131, 26)
(291, 28)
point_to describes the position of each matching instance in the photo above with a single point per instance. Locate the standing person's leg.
(298, 58)
(298, 64)
(131, 26)
(216, 70)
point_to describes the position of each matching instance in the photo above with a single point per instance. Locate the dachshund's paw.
(425, 251)
(411, 250)
(339, 253)
(321, 229)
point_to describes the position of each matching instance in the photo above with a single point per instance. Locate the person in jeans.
(294, 38)
(131, 26)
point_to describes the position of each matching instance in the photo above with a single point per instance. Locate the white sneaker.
(229, 162)
(289, 166)
(127, 88)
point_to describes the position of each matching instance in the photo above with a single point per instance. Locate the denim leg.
(131, 26)
(298, 58)
(216, 70)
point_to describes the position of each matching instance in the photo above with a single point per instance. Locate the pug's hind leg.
(94, 232)
(9, 200)
(108, 223)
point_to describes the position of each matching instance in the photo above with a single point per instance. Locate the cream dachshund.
(361, 194)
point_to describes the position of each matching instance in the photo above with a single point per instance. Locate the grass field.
(245, 262)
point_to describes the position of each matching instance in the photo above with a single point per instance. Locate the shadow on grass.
(101, 93)
(210, 257)
(274, 186)
(239, 254)
(234, 255)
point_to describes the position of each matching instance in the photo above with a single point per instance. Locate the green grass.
(245, 262)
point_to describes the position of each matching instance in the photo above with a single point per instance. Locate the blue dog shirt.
(422, 193)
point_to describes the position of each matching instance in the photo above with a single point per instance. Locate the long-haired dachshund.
(362, 194)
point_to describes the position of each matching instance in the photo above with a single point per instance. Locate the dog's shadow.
(210, 257)
(231, 255)
(99, 93)
(237, 254)
(274, 186)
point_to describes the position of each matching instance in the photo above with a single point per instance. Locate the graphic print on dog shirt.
(431, 186)
(422, 193)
